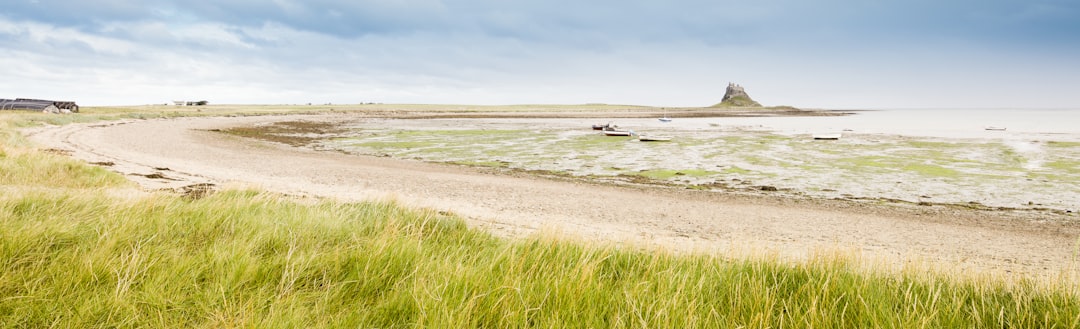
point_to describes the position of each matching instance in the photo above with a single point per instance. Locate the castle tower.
(736, 96)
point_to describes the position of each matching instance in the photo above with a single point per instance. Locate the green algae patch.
(931, 170)
(293, 133)
(868, 162)
(663, 174)
(1067, 166)
(737, 170)
(1058, 144)
(592, 141)
(395, 145)
(932, 145)
(492, 164)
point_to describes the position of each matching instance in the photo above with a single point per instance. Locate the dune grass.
(251, 259)
(73, 255)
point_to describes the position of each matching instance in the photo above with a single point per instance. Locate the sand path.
(184, 152)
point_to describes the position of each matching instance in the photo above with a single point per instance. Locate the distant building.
(39, 105)
(191, 103)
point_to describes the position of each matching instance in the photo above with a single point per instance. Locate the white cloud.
(652, 53)
(35, 35)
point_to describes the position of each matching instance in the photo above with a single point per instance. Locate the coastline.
(735, 154)
(521, 204)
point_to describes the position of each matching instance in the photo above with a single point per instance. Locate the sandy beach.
(172, 153)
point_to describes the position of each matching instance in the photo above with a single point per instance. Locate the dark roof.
(36, 104)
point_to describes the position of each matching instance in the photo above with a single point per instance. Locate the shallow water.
(1041, 124)
(1058, 124)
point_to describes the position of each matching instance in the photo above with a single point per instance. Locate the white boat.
(995, 128)
(647, 138)
(618, 133)
(827, 137)
(665, 119)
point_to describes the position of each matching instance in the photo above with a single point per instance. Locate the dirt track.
(184, 153)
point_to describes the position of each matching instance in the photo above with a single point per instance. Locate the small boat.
(606, 126)
(995, 128)
(618, 133)
(826, 137)
(645, 138)
(665, 119)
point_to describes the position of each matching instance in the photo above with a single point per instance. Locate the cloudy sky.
(821, 54)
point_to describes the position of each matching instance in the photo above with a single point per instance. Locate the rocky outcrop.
(736, 96)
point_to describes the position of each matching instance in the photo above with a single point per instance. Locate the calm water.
(1020, 124)
(1025, 124)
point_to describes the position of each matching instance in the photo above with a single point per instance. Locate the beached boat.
(647, 138)
(618, 133)
(606, 126)
(826, 137)
(995, 128)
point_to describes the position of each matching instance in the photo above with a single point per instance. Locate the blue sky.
(817, 54)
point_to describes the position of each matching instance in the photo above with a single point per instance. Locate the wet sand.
(185, 151)
(992, 170)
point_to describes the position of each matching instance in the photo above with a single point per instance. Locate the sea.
(1020, 124)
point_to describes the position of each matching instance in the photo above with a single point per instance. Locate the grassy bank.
(79, 247)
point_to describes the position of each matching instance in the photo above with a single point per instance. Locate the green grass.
(22, 166)
(74, 254)
(251, 259)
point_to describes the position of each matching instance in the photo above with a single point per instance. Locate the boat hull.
(654, 139)
(827, 137)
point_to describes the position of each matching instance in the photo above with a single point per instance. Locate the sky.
(842, 54)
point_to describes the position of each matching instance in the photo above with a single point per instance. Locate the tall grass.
(74, 257)
(24, 167)
(245, 258)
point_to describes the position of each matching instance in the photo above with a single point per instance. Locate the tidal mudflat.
(980, 169)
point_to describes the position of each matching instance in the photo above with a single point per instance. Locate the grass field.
(80, 247)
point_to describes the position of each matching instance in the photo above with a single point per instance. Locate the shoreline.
(517, 204)
(761, 158)
(627, 113)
